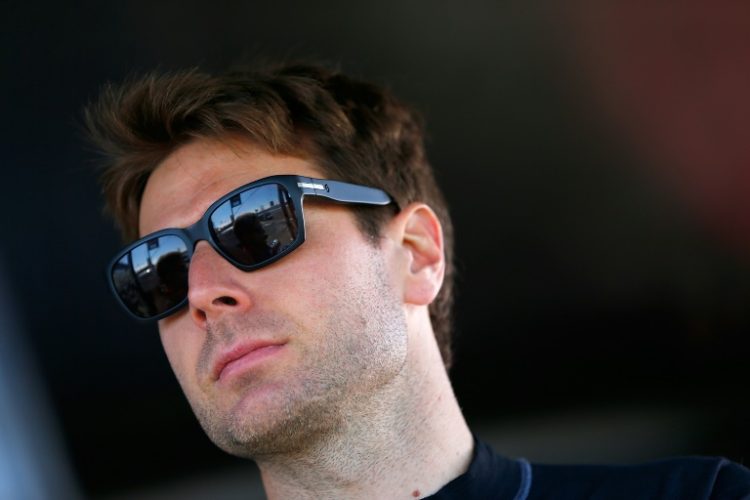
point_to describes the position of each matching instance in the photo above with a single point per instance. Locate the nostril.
(199, 315)
(228, 301)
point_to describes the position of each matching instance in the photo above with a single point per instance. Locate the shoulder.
(491, 475)
(676, 478)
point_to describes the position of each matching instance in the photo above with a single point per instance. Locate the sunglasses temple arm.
(343, 192)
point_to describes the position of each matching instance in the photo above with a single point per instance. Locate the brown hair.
(355, 131)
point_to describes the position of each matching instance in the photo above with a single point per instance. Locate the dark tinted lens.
(255, 225)
(153, 277)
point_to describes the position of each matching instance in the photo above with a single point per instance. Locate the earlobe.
(420, 235)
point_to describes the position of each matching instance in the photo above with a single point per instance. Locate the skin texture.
(355, 403)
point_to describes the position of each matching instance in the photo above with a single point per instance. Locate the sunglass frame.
(297, 187)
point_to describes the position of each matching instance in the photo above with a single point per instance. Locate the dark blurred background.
(596, 159)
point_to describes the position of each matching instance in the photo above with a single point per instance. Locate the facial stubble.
(360, 351)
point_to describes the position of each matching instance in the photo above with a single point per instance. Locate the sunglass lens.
(153, 277)
(255, 225)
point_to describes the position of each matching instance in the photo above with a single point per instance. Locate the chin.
(269, 423)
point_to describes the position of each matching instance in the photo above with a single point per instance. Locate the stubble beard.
(363, 350)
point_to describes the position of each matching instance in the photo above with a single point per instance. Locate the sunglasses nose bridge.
(198, 232)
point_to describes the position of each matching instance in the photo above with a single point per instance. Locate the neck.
(407, 441)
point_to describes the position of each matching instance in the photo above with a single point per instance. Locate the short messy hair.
(353, 130)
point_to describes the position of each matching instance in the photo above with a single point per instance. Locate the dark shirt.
(491, 476)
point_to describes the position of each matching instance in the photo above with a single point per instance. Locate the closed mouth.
(243, 356)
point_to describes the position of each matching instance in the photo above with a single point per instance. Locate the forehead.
(195, 175)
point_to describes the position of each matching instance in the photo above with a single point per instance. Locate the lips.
(243, 356)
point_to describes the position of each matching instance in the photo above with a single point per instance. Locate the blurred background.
(596, 161)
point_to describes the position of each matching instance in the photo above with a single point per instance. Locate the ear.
(416, 230)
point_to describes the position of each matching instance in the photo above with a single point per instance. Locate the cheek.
(329, 275)
(181, 350)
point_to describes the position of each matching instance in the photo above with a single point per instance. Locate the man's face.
(275, 359)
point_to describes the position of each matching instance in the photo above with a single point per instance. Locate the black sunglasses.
(252, 226)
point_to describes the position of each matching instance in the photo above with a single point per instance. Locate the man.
(296, 250)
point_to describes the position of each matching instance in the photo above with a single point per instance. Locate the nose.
(215, 287)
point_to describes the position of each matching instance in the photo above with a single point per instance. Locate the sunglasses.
(253, 226)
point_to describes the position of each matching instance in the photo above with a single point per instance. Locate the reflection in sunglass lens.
(255, 225)
(153, 276)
